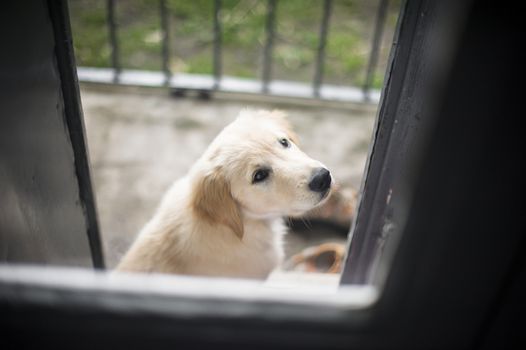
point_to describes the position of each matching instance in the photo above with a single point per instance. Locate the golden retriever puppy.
(224, 218)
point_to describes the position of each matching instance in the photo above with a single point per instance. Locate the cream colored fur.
(215, 221)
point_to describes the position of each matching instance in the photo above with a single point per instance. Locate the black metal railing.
(363, 93)
(269, 45)
(114, 43)
(165, 29)
(320, 58)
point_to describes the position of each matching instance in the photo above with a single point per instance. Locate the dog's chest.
(259, 252)
(264, 236)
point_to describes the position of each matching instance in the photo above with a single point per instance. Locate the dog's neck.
(265, 233)
(274, 222)
(268, 220)
(263, 217)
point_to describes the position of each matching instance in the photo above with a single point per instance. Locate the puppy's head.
(255, 168)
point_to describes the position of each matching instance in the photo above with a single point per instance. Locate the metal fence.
(181, 82)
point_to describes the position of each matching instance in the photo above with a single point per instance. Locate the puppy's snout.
(320, 180)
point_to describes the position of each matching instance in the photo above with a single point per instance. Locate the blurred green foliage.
(243, 36)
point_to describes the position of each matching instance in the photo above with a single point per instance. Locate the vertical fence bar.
(324, 29)
(267, 51)
(112, 27)
(165, 28)
(217, 44)
(379, 26)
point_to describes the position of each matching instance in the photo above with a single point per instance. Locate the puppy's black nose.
(320, 180)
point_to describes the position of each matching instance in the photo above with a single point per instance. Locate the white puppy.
(225, 217)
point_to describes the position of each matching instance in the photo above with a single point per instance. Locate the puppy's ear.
(212, 201)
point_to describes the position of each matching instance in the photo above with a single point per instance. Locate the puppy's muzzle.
(320, 180)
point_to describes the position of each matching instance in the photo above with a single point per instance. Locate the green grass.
(243, 36)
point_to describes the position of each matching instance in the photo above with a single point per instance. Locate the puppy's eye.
(260, 175)
(284, 142)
